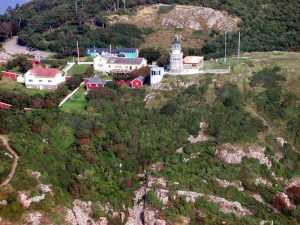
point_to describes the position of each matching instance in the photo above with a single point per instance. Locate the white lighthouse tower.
(176, 57)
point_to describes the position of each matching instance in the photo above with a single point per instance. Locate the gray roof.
(123, 60)
(140, 78)
(96, 80)
(113, 50)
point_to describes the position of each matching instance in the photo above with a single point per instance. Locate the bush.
(170, 108)
(165, 9)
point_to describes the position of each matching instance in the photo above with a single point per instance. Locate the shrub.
(165, 9)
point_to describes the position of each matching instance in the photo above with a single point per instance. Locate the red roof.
(42, 72)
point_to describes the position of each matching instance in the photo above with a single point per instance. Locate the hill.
(56, 25)
(195, 149)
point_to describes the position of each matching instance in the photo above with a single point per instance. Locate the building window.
(40, 81)
(30, 80)
(49, 81)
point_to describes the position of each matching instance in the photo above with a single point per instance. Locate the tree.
(74, 82)
(151, 54)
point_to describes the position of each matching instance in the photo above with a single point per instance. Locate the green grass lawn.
(18, 88)
(220, 64)
(78, 69)
(77, 103)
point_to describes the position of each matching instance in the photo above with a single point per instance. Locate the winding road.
(5, 140)
(11, 47)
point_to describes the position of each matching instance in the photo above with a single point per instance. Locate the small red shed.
(137, 82)
(10, 75)
(95, 82)
(5, 105)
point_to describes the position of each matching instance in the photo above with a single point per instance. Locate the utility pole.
(239, 45)
(78, 51)
(124, 2)
(76, 6)
(225, 58)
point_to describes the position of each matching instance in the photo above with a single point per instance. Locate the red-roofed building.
(5, 105)
(137, 82)
(43, 78)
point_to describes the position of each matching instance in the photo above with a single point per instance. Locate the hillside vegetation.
(56, 25)
(96, 147)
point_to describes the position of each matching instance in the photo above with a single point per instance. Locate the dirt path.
(5, 140)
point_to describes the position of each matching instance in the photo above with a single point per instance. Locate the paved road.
(4, 140)
(12, 48)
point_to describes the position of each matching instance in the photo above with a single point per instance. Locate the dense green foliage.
(265, 25)
(280, 108)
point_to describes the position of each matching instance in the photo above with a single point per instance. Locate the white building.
(106, 63)
(156, 74)
(43, 78)
(176, 57)
(183, 66)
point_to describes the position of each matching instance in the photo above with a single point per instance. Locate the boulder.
(281, 201)
(25, 201)
(293, 189)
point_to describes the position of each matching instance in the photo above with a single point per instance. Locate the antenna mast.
(225, 58)
(78, 51)
(239, 46)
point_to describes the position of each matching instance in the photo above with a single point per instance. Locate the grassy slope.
(77, 103)
(18, 88)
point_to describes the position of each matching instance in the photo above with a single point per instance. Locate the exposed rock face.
(281, 201)
(179, 151)
(281, 141)
(170, 86)
(185, 220)
(186, 17)
(293, 189)
(80, 214)
(258, 198)
(34, 218)
(234, 155)
(193, 156)
(162, 195)
(158, 166)
(190, 196)
(262, 181)
(25, 201)
(229, 207)
(150, 217)
(156, 181)
(225, 184)
(200, 138)
(45, 188)
(136, 213)
(3, 202)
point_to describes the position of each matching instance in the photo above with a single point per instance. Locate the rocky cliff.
(181, 17)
